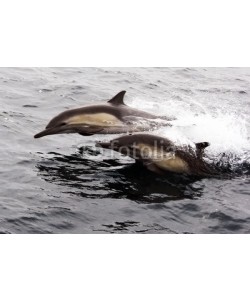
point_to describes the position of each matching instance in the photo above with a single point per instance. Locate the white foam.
(226, 131)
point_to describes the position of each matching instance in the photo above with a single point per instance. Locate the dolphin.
(110, 117)
(160, 155)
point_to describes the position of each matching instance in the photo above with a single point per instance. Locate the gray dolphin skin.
(110, 117)
(159, 154)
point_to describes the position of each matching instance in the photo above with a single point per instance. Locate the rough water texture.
(64, 184)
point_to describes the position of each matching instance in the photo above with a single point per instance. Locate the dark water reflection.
(173, 199)
(130, 181)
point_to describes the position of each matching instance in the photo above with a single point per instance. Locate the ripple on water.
(133, 227)
(87, 191)
(228, 224)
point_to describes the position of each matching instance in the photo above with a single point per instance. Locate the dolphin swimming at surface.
(110, 117)
(159, 154)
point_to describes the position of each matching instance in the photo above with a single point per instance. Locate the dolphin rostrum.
(159, 154)
(111, 117)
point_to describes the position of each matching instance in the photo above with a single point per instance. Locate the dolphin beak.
(70, 128)
(50, 131)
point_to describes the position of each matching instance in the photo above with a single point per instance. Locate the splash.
(226, 128)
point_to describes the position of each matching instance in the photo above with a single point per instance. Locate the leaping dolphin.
(106, 118)
(159, 154)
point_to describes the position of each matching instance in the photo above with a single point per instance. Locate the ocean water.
(64, 184)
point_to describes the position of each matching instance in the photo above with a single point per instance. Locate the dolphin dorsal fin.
(118, 99)
(200, 148)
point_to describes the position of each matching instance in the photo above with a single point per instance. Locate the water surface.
(64, 184)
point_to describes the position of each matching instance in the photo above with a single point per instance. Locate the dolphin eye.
(62, 124)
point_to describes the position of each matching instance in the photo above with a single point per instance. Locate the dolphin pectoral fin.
(90, 130)
(106, 145)
(118, 99)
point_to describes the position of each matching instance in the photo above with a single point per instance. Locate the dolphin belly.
(173, 164)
